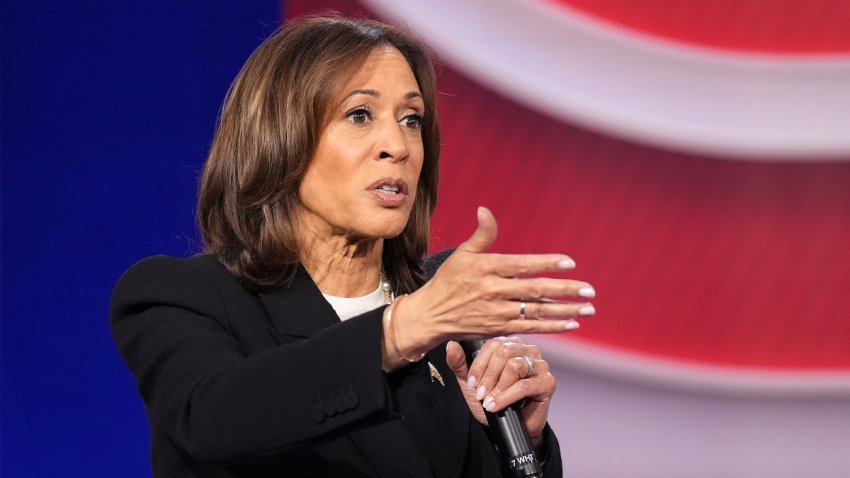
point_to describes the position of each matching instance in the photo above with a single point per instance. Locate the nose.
(393, 143)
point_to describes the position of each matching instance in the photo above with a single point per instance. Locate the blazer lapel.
(449, 412)
(298, 309)
(443, 407)
(436, 415)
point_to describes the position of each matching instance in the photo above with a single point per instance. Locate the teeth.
(389, 189)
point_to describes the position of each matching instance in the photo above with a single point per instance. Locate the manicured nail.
(470, 382)
(567, 264)
(571, 325)
(587, 310)
(587, 292)
(489, 404)
(480, 393)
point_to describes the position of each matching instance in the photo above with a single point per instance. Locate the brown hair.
(267, 133)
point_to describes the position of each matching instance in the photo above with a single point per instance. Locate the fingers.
(492, 360)
(456, 360)
(528, 299)
(514, 384)
(502, 318)
(546, 309)
(484, 235)
(539, 288)
(514, 265)
(505, 375)
(509, 317)
(539, 387)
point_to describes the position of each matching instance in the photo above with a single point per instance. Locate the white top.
(348, 307)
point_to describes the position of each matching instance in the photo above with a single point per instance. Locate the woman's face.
(361, 182)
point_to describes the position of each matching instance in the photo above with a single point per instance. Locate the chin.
(392, 232)
(390, 226)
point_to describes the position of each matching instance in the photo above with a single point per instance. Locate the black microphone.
(512, 441)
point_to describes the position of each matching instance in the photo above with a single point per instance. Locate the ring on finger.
(522, 306)
(530, 363)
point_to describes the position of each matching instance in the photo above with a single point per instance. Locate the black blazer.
(242, 384)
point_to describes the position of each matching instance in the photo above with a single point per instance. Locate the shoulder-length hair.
(267, 132)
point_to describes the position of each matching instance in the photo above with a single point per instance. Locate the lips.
(390, 186)
(389, 192)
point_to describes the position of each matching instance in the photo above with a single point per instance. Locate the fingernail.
(587, 310)
(587, 292)
(489, 404)
(480, 393)
(571, 325)
(470, 382)
(567, 264)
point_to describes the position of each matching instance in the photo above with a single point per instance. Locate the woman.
(307, 341)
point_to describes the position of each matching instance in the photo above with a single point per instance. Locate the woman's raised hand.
(476, 294)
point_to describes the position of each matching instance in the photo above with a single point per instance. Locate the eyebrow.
(376, 94)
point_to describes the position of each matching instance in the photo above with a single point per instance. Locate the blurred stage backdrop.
(693, 156)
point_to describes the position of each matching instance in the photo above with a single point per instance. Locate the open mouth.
(390, 186)
(389, 189)
(390, 192)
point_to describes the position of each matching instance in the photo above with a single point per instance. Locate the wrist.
(398, 351)
(409, 336)
(389, 360)
(542, 443)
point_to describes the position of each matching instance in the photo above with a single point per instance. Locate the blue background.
(108, 109)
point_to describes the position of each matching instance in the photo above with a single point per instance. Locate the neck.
(343, 267)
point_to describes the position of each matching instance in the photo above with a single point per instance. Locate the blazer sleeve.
(550, 454)
(214, 401)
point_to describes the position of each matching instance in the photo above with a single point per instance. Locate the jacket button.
(339, 402)
(330, 409)
(351, 399)
(318, 412)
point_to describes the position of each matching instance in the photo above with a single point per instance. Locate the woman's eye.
(359, 116)
(413, 122)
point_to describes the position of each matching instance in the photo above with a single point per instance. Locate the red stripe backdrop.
(724, 262)
(719, 261)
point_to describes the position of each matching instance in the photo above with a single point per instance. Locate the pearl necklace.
(389, 296)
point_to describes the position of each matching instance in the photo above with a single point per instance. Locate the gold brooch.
(435, 374)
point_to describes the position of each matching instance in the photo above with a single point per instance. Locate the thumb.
(456, 360)
(484, 235)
